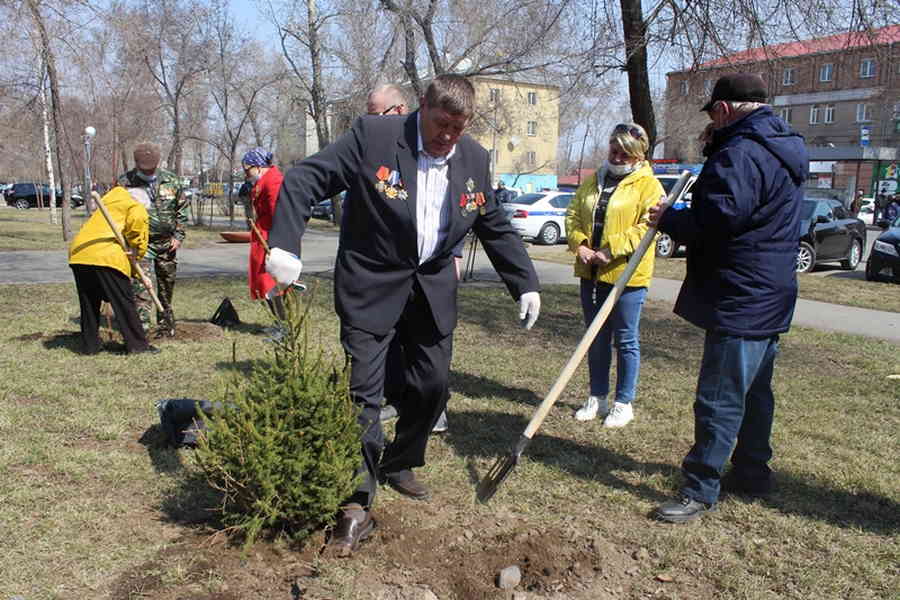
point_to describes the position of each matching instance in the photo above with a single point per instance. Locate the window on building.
(708, 87)
(685, 87)
(829, 113)
(863, 112)
(814, 114)
(788, 76)
(532, 127)
(867, 68)
(532, 98)
(495, 94)
(786, 114)
(530, 157)
(826, 72)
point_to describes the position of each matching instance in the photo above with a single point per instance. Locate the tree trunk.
(635, 31)
(317, 92)
(50, 61)
(48, 155)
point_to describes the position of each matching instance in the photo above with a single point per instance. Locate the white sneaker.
(621, 415)
(593, 406)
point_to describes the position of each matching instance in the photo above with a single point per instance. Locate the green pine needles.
(284, 450)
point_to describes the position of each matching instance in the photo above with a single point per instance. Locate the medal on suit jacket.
(471, 201)
(389, 184)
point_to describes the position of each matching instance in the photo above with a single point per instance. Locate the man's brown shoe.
(406, 483)
(352, 527)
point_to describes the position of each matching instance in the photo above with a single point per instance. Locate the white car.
(540, 216)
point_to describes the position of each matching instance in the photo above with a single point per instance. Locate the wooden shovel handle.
(595, 326)
(134, 264)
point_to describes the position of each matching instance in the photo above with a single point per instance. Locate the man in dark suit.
(415, 186)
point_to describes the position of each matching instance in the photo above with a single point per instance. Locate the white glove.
(284, 267)
(529, 308)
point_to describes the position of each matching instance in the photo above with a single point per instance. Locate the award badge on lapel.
(389, 184)
(470, 201)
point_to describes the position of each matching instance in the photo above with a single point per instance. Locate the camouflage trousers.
(161, 271)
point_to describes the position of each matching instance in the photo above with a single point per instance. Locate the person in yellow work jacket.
(102, 270)
(604, 225)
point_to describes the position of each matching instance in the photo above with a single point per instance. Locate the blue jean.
(734, 408)
(623, 325)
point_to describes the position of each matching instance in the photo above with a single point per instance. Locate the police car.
(665, 245)
(540, 216)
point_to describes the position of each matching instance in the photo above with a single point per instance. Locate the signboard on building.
(863, 136)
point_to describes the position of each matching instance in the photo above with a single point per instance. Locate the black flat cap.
(738, 87)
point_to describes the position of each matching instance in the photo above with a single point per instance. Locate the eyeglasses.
(390, 108)
(632, 131)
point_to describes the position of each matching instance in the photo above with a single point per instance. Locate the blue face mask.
(148, 178)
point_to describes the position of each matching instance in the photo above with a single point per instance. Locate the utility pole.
(89, 133)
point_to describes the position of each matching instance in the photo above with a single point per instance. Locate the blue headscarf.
(258, 157)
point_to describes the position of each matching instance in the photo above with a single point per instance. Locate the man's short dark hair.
(453, 93)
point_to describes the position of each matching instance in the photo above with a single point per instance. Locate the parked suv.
(25, 195)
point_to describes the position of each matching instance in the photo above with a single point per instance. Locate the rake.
(505, 464)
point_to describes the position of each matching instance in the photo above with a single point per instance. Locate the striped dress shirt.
(432, 208)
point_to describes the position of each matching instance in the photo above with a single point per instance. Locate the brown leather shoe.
(352, 527)
(406, 483)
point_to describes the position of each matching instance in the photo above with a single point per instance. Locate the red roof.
(841, 41)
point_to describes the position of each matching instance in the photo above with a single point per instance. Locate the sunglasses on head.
(632, 131)
(390, 108)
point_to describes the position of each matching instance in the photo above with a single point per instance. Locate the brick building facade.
(842, 93)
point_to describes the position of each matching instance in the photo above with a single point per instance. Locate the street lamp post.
(89, 133)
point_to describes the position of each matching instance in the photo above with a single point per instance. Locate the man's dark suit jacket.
(378, 257)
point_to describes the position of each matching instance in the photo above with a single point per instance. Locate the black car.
(322, 210)
(25, 195)
(884, 257)
(829, 234)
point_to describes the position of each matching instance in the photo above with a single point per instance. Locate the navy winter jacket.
(743, 229)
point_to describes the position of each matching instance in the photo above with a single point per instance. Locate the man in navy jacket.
(742, 232)
(415, 186)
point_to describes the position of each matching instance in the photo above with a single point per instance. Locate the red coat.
(263, 197)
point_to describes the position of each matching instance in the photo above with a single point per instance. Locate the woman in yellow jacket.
(604, 225)
(103, 271)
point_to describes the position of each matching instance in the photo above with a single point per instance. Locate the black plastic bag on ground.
(225, 315)
(180, 420)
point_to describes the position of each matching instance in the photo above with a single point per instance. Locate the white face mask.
(620, 170)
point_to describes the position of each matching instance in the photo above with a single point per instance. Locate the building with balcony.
(841, 92)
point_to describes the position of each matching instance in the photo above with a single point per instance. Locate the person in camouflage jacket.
(168, 216)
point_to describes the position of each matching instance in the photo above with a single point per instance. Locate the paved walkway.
(318, 255)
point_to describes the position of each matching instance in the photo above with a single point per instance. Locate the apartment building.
(841, 92)
(518, 122)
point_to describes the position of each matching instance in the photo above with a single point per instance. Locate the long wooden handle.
(134, 264)
(259, 235)
(594, 328)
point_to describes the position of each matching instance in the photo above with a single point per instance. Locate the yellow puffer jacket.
(626, 224)
(95, 243)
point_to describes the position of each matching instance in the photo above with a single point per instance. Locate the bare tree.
(236, 84)
(49, 60)
(176, 54)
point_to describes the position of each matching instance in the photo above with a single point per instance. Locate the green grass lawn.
(91, 505)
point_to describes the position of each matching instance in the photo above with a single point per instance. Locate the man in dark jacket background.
(742, 231)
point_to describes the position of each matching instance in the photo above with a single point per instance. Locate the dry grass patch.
(94, 505)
